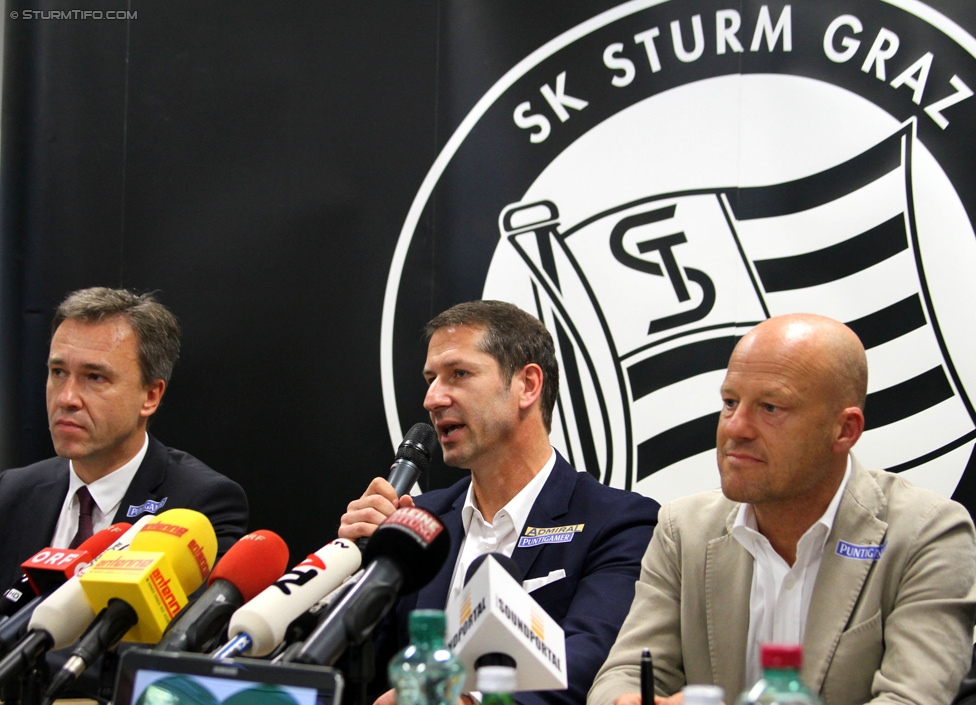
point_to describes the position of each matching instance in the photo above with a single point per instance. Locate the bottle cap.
(427, 623)
(703, 695)
(496, 679)
(781, 655)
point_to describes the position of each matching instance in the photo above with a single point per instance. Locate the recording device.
(250, 566)
(404, 553)
(494, 614)
(259, 626)
(139, 591)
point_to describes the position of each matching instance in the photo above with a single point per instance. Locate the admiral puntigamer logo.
(657, 180)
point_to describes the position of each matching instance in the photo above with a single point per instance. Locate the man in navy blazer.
(492, 384)
(31, 498)
(112, 354)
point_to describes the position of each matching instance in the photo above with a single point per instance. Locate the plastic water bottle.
(426, 672)
(780, 683)
(497, 685)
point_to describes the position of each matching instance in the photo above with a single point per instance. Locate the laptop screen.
(149, 678)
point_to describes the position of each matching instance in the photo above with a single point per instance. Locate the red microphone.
(250, 566)
(50, 568)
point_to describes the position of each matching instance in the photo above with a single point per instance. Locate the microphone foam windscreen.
(103, 539)
(418, 445)
(415, 540)
(253, 563)
(188, 540)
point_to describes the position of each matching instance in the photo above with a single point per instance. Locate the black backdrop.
(254, 162)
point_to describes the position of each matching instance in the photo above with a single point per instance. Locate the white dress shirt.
(780, 597)
(501, 535)
(107, 493)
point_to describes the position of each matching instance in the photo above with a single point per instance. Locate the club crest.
(659, 179)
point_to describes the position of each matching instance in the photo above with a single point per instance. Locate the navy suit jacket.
(602, 564)
(31, 498)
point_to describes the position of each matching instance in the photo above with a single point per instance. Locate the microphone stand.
(360, 669)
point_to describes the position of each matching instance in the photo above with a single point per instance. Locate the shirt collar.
(520, 505)
(745, 520)
(108, 491)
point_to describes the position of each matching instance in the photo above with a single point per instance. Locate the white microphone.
(494, 614)
(260, 625)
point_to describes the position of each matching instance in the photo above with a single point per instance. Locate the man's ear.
(154, 395)
(531, 385)
(851, 428)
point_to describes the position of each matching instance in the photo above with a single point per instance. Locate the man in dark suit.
(111, 357)
(492, 384)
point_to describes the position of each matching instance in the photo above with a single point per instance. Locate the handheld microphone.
(405, 552)
(250, 566)
(493, 614)
(140, 590)
(62, 569)
(411, 459)
(259, 626)
(59, 619)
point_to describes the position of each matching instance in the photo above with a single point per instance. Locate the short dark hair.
(513, 337)
(156, 328)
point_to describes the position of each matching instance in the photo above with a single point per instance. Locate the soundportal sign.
(655, 181)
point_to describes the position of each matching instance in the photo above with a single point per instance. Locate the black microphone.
(404, 554)
(412, 457)
(504, 561)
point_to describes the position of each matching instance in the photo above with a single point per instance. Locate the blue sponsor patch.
(150, 506)
(528, 541)
(860, 553)
(534, 536)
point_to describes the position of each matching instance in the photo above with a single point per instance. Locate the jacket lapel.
(859, 520)
(728, 584)
(145, 483)
(434, 594)
(552, 503)
(45, 519)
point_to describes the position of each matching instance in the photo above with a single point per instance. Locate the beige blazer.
(897, 629)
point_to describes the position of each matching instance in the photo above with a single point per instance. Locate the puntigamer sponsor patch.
(533, 536)
(860, 553)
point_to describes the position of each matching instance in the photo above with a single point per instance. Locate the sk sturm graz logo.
(656, 181)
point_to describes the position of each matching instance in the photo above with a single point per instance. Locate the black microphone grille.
(418, 445)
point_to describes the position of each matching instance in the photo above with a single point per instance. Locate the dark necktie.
(85, 506)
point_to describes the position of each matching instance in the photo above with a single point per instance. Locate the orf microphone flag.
(59, 619)
(62, 568)
(494, 614)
